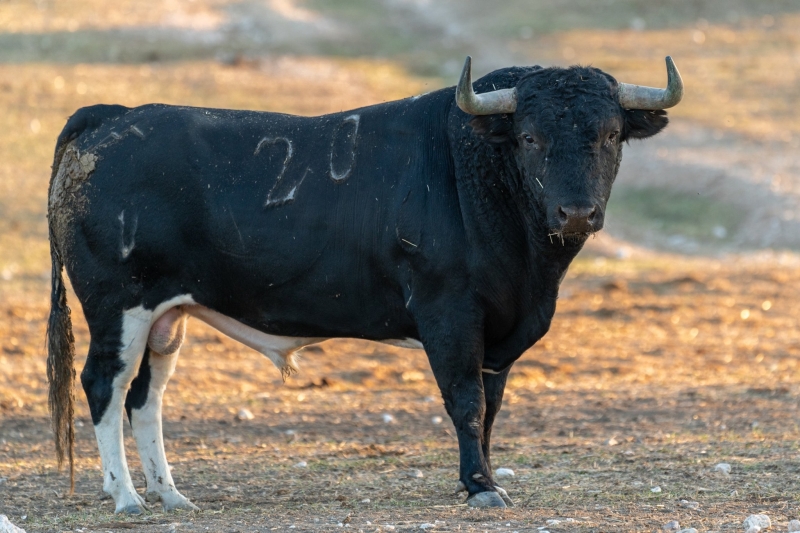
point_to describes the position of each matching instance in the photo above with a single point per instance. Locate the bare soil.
(656, 369)
(658, 366)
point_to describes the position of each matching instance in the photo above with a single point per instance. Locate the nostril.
(592, 215)
(562, 215)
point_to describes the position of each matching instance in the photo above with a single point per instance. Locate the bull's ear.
(640, 124)
(496, 129)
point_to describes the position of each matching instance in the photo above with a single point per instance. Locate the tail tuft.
(61, 371)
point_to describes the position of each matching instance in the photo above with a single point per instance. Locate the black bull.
(409, 222)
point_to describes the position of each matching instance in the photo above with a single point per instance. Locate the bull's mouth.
(564, 237)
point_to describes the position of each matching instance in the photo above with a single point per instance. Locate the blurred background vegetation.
(723, 178)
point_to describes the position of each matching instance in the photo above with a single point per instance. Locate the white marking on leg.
(147, 430)
(280, 350)
(116, 476)
(136, 323)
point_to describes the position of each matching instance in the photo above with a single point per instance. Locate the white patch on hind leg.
(280, 350)
(147, 430)
(116, 476)
(136, 324)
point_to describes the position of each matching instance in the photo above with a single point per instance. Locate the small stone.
(794, 526)
(245, 414)
(722, 468)
(612, 441)
(655, 490)
(672, 525)
(503, 472)
(7, 527)
(553, 522)
(754, 529)
(365, 500)
(436, 420)
(301, 464)
(688, 530)
(387, 418)
(415, 473)
(427, 525)
(760, 521)
(690, 505)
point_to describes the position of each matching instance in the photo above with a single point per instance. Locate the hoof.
(132, 509)
(184, 506)
(486, 499)
(460, 487)
(180, 502)
(503, 494)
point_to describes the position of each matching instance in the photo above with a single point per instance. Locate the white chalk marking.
(136, 131)
(126, 249)
(288, 197)
(289, 153)
(336, 176)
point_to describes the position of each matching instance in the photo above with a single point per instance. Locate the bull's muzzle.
(573, 220)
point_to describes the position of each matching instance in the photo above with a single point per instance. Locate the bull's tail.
(60, 350)
(60, 341)
(60, 368)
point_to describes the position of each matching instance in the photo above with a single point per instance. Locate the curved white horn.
(651, 98)
(500, 101)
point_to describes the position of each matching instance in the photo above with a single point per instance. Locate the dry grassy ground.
(657, 366)
(682, 364)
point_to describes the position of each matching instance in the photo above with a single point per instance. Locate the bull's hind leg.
(144, 408)
(115, 352)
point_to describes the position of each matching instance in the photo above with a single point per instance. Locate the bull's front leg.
(455, 351)
(494, 386)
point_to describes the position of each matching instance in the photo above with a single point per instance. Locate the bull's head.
(566, 128)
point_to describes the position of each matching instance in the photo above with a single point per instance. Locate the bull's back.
(241, 208)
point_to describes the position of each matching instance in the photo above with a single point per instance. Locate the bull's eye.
(612, 137)
(530, 140)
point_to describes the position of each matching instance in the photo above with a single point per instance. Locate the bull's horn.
(641, 97)
(500, 101)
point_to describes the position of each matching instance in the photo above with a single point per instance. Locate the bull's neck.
(505, 225)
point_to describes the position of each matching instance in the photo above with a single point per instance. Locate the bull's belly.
(167, 330)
